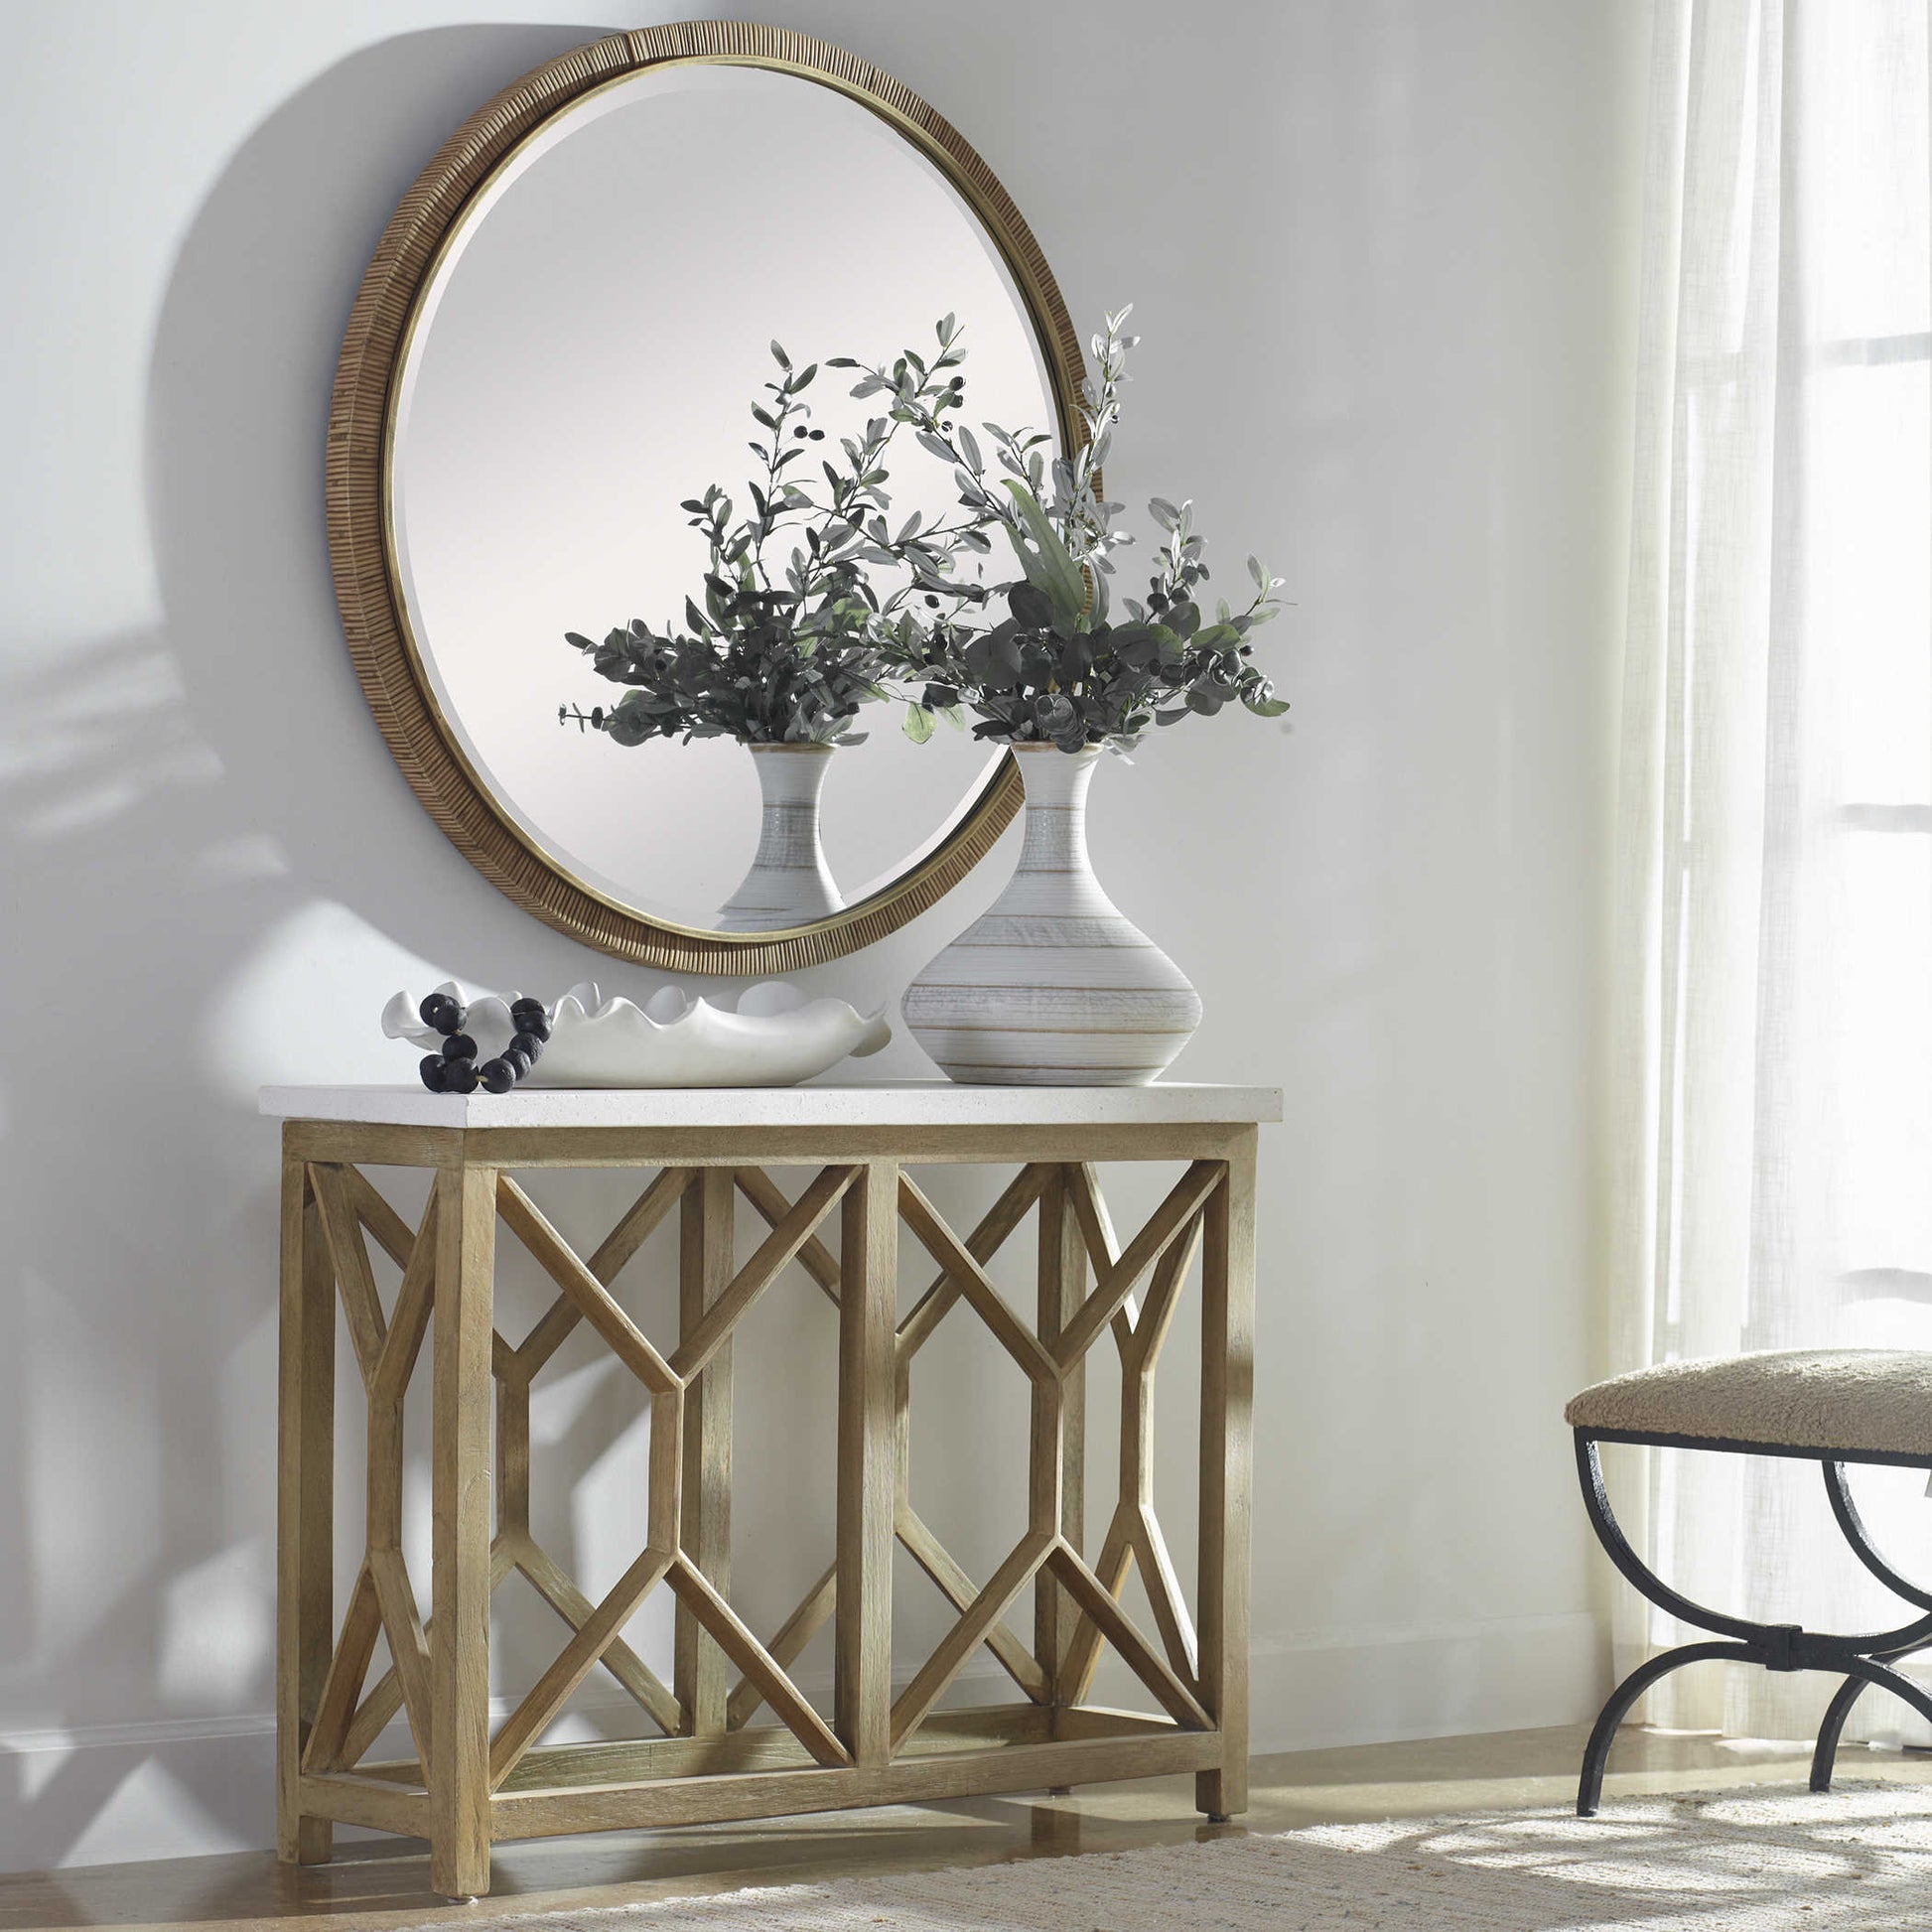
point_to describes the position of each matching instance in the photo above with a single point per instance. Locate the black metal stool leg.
(1589, 1788)
(1852, 1524)
(1823, 1754)
(1859, 1672)
(1609, 1533)
(1860, 1659)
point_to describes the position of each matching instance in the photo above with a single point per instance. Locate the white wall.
(1380, 253)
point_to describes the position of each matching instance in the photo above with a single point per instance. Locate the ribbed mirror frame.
(360, 425)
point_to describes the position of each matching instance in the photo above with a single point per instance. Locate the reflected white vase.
(790, 882)
(1053, 986)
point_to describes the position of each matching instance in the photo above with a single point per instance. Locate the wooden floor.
(384, 1884)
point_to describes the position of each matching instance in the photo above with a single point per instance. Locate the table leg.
(304, 1512)
(1063, 1284)
(868, 1447)
(701, 1673)
(1226, 1469)
(459, 1766)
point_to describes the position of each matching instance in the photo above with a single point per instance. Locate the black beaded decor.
(455, 1068)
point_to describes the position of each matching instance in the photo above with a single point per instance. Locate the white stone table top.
(908, 1103)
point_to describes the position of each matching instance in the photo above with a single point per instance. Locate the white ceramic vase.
(1051, 986)
(790, 882)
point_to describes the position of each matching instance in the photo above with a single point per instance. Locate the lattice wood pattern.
(468, 1782)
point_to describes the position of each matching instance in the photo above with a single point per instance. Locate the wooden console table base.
(470, 1784)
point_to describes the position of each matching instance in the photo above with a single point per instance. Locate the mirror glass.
(583, 358)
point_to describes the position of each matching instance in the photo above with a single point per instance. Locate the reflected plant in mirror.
(1054, 985)
(788, 642)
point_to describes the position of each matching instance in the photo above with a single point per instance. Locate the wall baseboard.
(1310, 1692)
(112, 1793)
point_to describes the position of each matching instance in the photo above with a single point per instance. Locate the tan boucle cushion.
(1875, 1399)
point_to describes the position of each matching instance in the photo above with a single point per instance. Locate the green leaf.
(1048, 567)
(779, 356)
(918, 722)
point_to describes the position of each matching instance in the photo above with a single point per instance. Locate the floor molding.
(1310, 1692)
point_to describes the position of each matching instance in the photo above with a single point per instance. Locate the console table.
(471, 1783)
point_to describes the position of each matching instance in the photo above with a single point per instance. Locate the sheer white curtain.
(1774, 894)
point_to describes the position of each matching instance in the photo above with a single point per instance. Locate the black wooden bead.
(459, 1046)
(496, 1076)
(459, 1076)
(529, 1045)
(537, 1025)
(442, 1013)
(432, 1069)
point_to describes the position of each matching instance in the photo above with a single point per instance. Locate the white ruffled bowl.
(773, 1037)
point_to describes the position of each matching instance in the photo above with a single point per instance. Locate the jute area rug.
(1764, 1859)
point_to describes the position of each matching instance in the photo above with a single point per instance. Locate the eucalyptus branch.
(1055, 668)
(770, 655)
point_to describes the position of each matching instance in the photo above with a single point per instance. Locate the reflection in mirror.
(579, 366)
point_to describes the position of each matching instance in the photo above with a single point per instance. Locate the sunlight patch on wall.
(151, 1814)
(305, 1005)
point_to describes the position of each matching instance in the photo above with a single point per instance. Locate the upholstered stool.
(1830, 1406)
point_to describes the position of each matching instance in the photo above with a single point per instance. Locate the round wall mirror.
(558, 343)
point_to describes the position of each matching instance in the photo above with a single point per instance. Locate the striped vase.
(1052, 987)
(790, 882)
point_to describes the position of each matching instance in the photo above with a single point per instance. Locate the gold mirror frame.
(360, 431)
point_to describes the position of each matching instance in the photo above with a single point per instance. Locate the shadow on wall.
(213, 875)
(239, 402)
(175, 801)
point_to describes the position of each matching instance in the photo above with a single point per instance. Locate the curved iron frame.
(1860, 1660)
